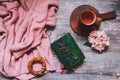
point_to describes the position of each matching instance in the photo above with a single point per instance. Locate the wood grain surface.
(96, 66)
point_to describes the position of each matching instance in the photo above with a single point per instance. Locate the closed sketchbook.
(68, 51)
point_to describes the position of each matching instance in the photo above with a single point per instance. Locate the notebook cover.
(68, 51)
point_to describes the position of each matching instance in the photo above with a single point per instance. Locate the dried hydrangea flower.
(99, 40)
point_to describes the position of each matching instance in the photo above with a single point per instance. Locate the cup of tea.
(89, 17)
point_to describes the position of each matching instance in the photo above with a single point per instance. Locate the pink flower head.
(99, 40)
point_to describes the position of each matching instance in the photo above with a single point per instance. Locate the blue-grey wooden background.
(96, 66)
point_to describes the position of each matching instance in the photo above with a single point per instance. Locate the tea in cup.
(88, 17)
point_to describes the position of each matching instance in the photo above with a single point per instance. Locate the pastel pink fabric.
(23, 36)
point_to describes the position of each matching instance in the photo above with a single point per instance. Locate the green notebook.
(68, 51)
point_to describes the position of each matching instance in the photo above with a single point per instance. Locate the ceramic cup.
(89, 17)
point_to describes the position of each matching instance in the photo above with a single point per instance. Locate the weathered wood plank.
(107, 63)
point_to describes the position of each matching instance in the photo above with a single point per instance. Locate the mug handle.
(98, 21)
(108, 15)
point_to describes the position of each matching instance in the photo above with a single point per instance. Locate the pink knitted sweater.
(23, 36)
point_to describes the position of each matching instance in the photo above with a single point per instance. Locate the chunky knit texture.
(23, 36)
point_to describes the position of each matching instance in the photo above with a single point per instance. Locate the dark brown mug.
(89, 17)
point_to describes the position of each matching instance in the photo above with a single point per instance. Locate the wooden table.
(96, 66)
